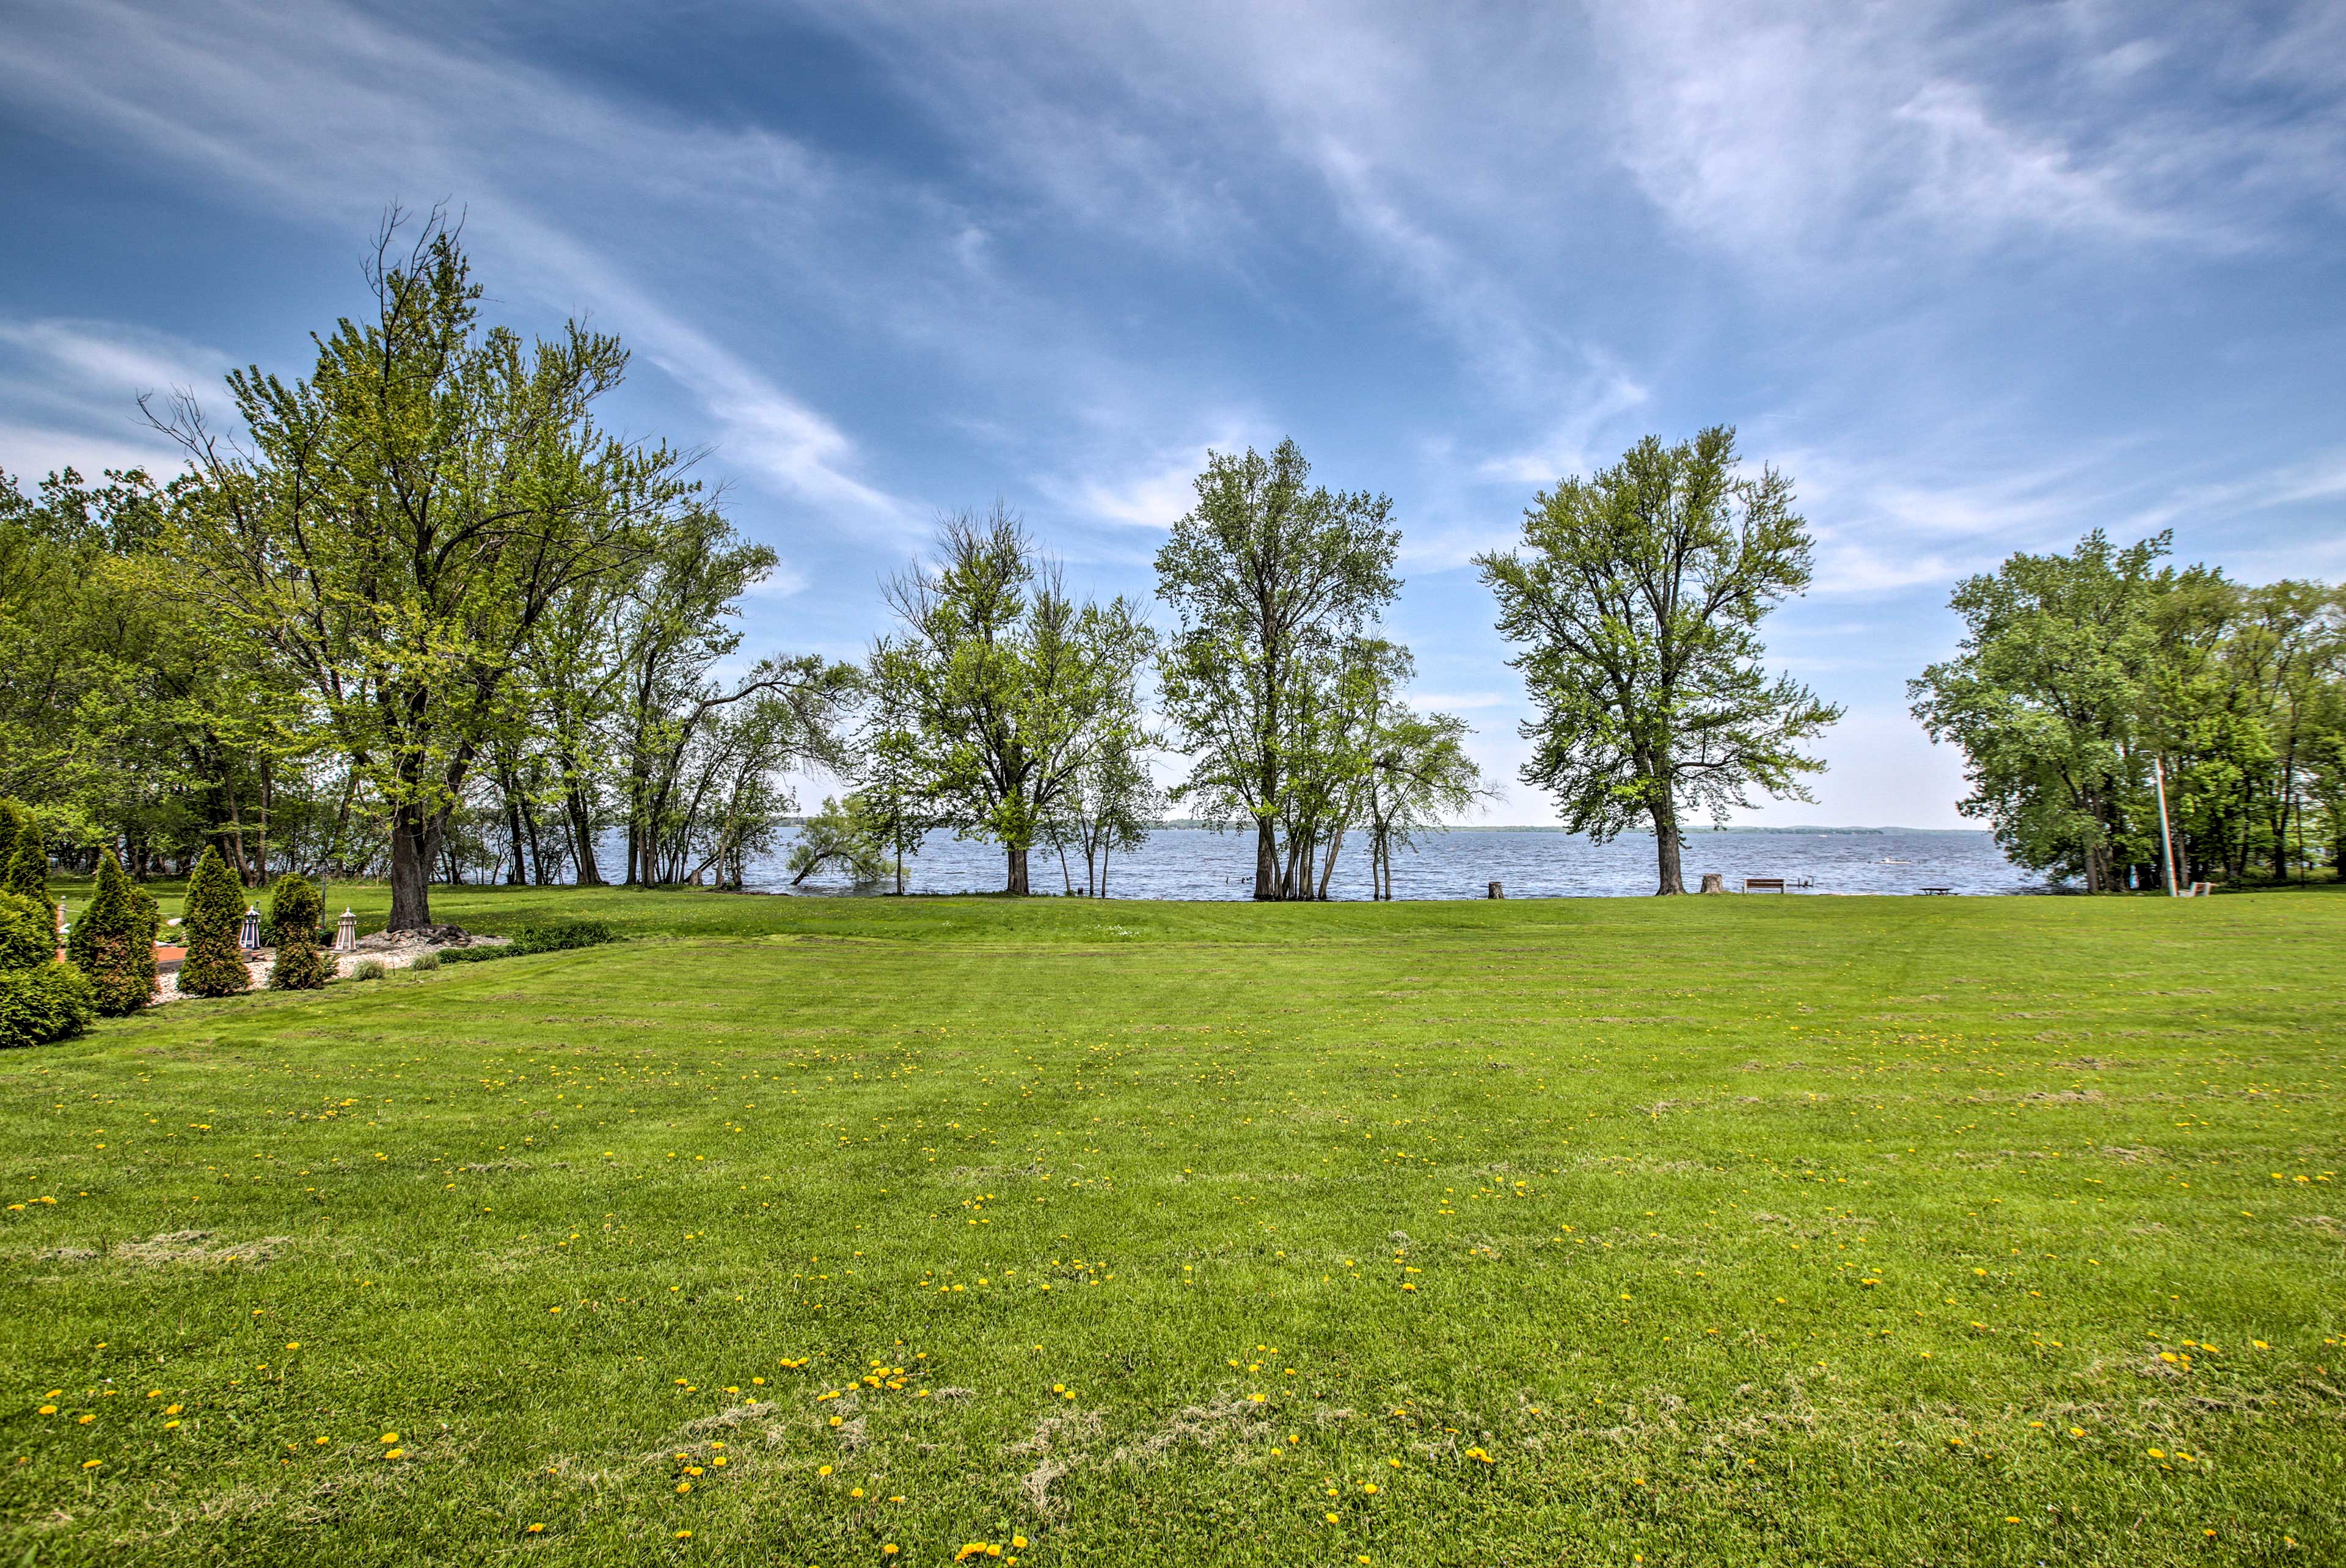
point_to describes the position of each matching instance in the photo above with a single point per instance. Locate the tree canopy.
(1636, 600)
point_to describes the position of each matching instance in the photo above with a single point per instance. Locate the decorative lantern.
(251, 937)
(346, 932)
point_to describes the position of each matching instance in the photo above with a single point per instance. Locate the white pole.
(2165, 834)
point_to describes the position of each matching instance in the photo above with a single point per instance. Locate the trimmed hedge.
(560, 937)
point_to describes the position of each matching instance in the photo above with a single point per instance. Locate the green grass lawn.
(1608, 1231)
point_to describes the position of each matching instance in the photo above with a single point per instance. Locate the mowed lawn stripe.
(1742, 1229)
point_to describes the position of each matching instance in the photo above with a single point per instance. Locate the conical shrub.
(113, 943)
(293, 909)
(27, 871)
(12, 823)
(215, 908)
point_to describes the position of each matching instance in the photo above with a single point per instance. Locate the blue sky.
(1979, 278)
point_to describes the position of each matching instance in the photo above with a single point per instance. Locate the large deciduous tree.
(1272, 579)
(394, 528)
(2045, 698)
(1636, 599)
(1006, 685)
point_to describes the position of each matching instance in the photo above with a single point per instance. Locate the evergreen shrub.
(40, 999)
(293, 907)
(113, 943)
(215, 909)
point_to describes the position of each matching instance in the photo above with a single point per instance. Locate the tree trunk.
(536, 851)
(582, 833)
(411, 870)
(1266, 859)
(516, 873)
(1017, 872)
(1328, 869)
(1666, 848)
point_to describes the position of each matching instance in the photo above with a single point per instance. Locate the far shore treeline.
(419, 615)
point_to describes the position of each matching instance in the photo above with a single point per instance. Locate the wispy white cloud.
(297, 117)
(69, 391)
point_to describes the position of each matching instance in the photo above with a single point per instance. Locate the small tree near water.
(113, 943)
(294, 908)
(215, 908)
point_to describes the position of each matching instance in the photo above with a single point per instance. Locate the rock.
(433, 936)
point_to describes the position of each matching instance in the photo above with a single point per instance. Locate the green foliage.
(1637, 602)
(1005, 684)
(28, 864)
(215, 964)
(1276, 584)
(47, 1002)
(369, 968)
(113, 943)
(28, 936)
(554, 936)
(424, 964)
(509, 496)
(293, 909)
(844, 836)
(12, 824)
(1419, 773)
(2089, 682)
(41, 999)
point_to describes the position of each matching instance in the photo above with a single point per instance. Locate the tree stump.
(1713, 883)
(1498, 890)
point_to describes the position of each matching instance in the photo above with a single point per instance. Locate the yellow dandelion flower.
(682, 1487)
(91, 1463)
(537, 1530)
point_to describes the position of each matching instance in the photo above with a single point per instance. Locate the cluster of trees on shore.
(419, 615)
(2116, 712)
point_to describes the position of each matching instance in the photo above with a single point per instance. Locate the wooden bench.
(1763, 884)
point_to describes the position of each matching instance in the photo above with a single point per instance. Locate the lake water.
(1196, 863)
